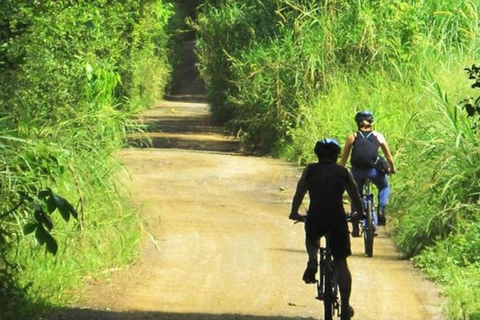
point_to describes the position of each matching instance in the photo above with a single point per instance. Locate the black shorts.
(316, 226)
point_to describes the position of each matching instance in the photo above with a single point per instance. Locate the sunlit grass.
(321, 62)
(73, 77)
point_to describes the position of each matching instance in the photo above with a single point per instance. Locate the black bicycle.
(327, 285)
(369, 224)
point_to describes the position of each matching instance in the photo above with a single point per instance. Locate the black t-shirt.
(326, 182)
(365, 150)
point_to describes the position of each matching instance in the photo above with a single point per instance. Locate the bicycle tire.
(369, 232)
(329, 299)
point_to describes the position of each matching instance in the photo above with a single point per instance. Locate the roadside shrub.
(270, 88)
(225, 29)
(73, 74)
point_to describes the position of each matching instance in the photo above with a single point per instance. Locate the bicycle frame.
(368, 196)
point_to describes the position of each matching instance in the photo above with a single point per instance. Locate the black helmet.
(327, 148)
(364, 116)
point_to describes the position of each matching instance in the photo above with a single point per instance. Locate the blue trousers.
(380, 180)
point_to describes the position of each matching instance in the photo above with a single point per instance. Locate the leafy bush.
(73, 74)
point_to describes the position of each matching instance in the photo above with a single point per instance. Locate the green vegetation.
(282, 73)
(73, 74)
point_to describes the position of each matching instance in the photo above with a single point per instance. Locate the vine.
(472, 105)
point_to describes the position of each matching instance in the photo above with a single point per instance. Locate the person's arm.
(298, 197)
(353, 193)
(386, 152)
(346, 150)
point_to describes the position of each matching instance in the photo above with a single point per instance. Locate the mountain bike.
(369, 224)
(327, 285)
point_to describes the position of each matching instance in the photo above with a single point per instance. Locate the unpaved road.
(218, 244)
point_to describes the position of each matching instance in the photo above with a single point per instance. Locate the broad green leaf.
(43, 237)
(66, 209)
(59, 200)
(45, 193)
(29, 228)
(41, 216)
(73, 212)
(51, 204)
(52, 245)
(41, 234)
(37, 212)
(65, 212)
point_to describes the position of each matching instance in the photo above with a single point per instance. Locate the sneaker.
(355, 230)
(356, 216)
(382, 220)
(309, 274)
(347, 316)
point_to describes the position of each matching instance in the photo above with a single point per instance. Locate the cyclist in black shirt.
(364, 145)
(326, 182)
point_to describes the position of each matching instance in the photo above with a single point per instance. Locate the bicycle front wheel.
(369, 231)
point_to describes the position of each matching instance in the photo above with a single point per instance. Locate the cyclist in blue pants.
(364, 145)
(326, 182)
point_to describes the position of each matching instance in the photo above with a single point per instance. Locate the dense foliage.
(72, 72)
(283, 73)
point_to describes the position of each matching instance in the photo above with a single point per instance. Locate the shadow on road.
(82, 314)
(198, 98)
(377, 256)
(289, 250)
(185, 143)
(183, 124)
(183, 120)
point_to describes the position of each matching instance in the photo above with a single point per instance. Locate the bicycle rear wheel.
(329, 297)
(369, 232)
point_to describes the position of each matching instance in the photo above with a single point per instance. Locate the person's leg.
(341, 249)
(381, 182)
(312, 249)
(359, 177)
(344, 279)
(312, 264)
(312, 236)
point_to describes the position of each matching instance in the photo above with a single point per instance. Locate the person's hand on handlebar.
(296, 216)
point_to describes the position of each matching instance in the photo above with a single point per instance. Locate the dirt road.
(218, 244)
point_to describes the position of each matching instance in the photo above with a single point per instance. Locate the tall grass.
(226, 29)
(404, 61)
(72, 78)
